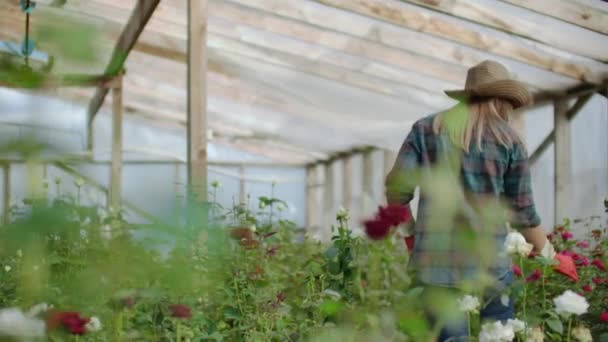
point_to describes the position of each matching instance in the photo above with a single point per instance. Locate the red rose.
(394, 214)
(587, 288)
(180, 311)
(70, 321)
(604, 317)
(567, 236)
(581, 260)
(599, 264)
(569, 253)
(534, 276)
(597, 280)
(516, 270)
(377, 229)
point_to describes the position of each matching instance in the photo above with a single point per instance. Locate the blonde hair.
(487, 116)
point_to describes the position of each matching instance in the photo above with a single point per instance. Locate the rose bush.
(245, 277)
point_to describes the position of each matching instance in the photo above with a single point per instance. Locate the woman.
(491, 166)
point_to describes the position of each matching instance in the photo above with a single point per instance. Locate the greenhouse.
(193, 170)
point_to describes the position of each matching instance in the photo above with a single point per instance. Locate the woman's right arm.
(518, 192)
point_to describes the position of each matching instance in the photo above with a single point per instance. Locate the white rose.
(468, 303)
(535, 335)
(94, 324)
(342, 214)
(570, 303)
(496, 332)
(14, 323)
(582, 334)
(38, 309)
(515, 243)
(516, 325)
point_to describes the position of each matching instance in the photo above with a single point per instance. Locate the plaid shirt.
(496, 174)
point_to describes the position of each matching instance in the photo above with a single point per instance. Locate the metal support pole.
(115, 194)
(563, 159)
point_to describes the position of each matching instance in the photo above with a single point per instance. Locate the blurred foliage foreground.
(73, 272)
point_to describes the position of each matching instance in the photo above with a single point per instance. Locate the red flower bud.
(597, 280)
(377, 229)
(394, 214)
(587, 288)
(534, 276)
(516, 270)
(582, 244)
(604, 317)
(599, 264)
(70, 321)
(180, 311)
(567, 236)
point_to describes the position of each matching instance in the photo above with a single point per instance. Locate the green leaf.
(556, 325)
(414, 293)
(331, 252)
(331, 307)
(547, 261)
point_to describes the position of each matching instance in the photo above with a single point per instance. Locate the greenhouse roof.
(302, 80)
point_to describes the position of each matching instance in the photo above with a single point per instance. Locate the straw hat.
(492, 79)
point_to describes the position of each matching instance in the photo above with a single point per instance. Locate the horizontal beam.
(544, 97)
(515, 21)
(569, 11)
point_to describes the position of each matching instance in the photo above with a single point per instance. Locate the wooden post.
(197, 99)
(115, 194)
(563, 160)
(368, 174)
(311, 208)
(329, 202)
(242, 193)
(370, 192)
(347, 182)
(6, 197)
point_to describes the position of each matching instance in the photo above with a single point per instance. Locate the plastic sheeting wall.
(589, 187)
(158, 188)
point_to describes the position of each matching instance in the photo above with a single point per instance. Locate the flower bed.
(63, 277)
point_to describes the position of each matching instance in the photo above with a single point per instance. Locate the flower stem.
(469, 323)
(570, 329)
(178, 331)
(521, 265)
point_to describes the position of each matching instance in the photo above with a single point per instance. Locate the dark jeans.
(493, 311)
